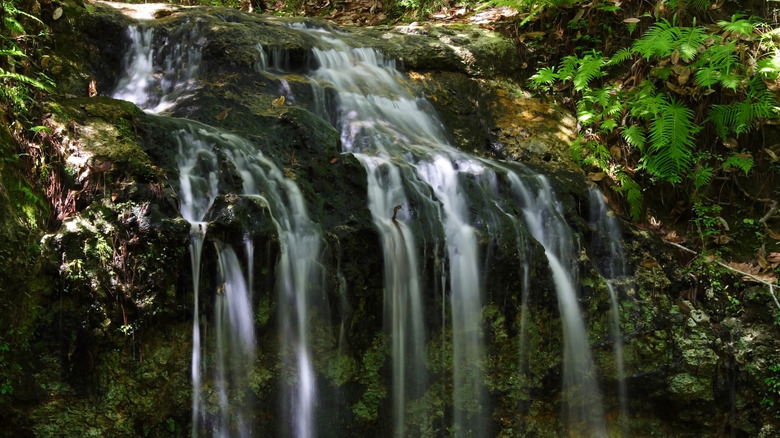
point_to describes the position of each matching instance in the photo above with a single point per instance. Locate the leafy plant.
(659, 117)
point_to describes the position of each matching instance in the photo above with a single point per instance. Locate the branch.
(768, 284)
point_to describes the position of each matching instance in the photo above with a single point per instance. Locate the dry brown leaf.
(761, 261)
(767, 278)
(745, 267)
(650, 263)
(675, 56)
(631, 20)
(773, 257)
(722, 239)
(223, 114)
(596, 177)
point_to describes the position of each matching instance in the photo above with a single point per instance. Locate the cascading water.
(299, 239)
(424, 195)
(616, 275)
(155, 78)
(403, 149)
(582, 399)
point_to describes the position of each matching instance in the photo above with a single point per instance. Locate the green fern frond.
(700, 4)
(635, 136)
(769, 68)
(738, 25)
(690, 40)
(633, 193)
(545, 76)
(608, 125)
(620, 56)
(589, 69)
(701, 177)
(577, 149)
(707, 76)
(743, 162)
(731, 80)
(568, 67)
(671, 142)
(741, 117)
(14, 52)
(658, 41)
(25, 79)
(646, 102)
(13, 26)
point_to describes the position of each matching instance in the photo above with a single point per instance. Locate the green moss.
(367, 408)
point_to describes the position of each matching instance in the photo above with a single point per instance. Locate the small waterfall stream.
(198, 187)
(425, 197)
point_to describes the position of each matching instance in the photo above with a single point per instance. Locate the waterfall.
(616, 275)
(405, 152)
(582, 399)
(156, 78)
(299, 239)
(427, 200)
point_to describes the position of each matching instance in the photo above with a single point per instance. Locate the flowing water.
(617, 276)
(298, 276)
(426, 198)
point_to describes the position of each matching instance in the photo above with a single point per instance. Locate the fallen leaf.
(596, 177)
(333, 161)
(675, 56)
(278, 102)
(773, 257)
(57, 14)
(631, 20)
(223, 114)
(731, 143)
(722, 239)
(650, 263)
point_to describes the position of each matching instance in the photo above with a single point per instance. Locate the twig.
(747, 274)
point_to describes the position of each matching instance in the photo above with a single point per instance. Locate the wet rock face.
(117, 328)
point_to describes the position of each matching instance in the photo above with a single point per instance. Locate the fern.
(589, 68)
(634, 136)
(740, 117)
(701, 177)
(716, 64)
(659, 41)
(26, 80)
(633, 193)
(739, 161)
(568, 67)
(769, 68)
(671, 142)
(620, 56)
(738, 25)
(544, 76)
(646, 102)
(690, 39)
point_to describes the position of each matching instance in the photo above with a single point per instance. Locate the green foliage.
(738, 25)
(740, 117)
(17, 83)
(659, 117)
(773, 389)
(743, 162)
(671, 141)
(658, 41)
(5, 381)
